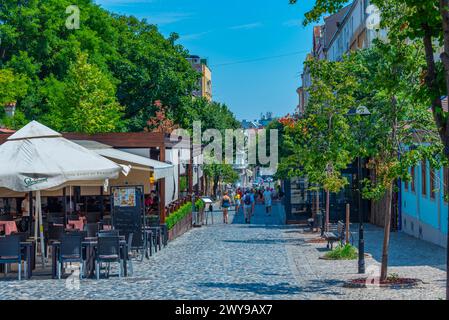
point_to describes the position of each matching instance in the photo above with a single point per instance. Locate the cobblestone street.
(264, 260)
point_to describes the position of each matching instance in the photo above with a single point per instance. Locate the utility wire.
(259, 59)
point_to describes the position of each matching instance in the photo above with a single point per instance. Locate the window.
(433, 185)
(424, 177)
(413, 180)
(406, 185)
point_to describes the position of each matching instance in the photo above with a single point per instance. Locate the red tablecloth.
(9, 226)
(76, 224)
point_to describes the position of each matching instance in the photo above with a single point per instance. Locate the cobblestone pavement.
(408, 258)
(264, 260)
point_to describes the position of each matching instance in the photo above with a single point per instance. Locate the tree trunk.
(432, 84)
(216, 180)
(445, 55)
(206, 187)
(327, 211)
(387, 228)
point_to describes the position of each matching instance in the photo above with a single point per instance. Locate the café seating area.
(85, 240)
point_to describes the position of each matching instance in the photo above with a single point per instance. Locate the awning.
(159, 169)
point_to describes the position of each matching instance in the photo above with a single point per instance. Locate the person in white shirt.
(26, 213)
(267, 199)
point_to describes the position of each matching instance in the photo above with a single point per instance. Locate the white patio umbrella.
(37, 158)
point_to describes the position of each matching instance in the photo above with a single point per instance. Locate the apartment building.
(205, 82)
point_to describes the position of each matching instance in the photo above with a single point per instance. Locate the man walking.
(253, 201)
(248, 201)
(267, 197)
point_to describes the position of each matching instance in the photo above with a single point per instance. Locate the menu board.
(127, 209)
(125, 197)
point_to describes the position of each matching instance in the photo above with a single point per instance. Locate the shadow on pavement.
(257, 288)
(268, 241)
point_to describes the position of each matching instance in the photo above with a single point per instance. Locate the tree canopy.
(136, 62)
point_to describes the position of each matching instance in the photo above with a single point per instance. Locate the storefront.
(301, 199)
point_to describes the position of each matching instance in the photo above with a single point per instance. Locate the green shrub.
(178, 215)
(343, 252)
(199, 204)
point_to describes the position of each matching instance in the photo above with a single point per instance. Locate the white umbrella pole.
(41, 227)
(70, 200)
(34, 214)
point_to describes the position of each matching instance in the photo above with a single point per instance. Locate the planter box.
(180, 228)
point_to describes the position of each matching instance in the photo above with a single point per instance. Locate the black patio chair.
(55, 216)
(108, 251)
(10, 252)
(56, 221)
(23, 238)
(55, 232)
(108, 233)
(93, 217)
(129, 240)
(73, 217)
(92, 229)
(71, 251)
(76, 233)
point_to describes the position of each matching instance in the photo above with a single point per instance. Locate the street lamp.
(363, 112)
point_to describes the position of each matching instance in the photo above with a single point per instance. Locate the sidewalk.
(409, 257)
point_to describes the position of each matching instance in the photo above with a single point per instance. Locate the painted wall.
(423, 216)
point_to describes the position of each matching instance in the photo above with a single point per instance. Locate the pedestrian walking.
(237, 201)
(253, 201)
(225, 204)
(267, 197)
(248, 202)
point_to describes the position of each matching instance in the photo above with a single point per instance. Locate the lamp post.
(363, 112)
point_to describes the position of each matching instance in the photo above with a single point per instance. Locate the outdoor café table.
(148, 241)
(157, 234)
(89, 247)
(76, 224)
(9, 227)
(29, 255)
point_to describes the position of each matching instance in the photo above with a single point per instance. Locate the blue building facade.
(424, 210)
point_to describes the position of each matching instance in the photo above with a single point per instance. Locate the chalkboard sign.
(127, 210)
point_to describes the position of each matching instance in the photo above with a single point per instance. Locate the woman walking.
(225, 204)
(237, 201)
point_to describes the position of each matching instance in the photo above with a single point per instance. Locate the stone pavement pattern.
(264, 260)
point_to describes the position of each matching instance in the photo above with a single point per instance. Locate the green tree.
(414, 20)
(87, 102)
(13, 86)
(319, 143)
(218, 172)
(143, 64)
(390, 73)
(384, 78)
(213, 115)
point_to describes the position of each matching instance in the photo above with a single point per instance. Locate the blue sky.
(233, 31)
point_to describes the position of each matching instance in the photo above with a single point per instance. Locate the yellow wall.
(207, 77)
